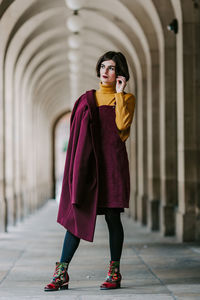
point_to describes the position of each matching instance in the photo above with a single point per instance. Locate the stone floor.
(153, 267)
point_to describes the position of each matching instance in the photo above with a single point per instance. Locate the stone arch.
(23, 17)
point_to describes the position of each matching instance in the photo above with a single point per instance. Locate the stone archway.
(36, 88)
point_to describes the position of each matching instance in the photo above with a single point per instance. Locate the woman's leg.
(60, 277)
(116, 238)
(71, 243)
(116, 233)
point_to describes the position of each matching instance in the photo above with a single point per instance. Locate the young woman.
(96, 177)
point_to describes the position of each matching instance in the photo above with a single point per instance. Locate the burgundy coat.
(96, 170)
(79, 196)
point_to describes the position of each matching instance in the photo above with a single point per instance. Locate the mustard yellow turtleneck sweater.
(124, 110)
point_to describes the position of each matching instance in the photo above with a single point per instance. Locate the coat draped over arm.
(79, 195)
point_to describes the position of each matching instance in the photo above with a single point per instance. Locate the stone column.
(140, 153)
(153, 146)
(188, 131)
(168, 142)
(142, 213)
(3, 203)
(197, 96)
(132, 166)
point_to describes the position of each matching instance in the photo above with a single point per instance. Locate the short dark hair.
(119, 59)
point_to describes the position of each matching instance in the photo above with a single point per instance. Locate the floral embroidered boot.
(113, 279)
(60, 278)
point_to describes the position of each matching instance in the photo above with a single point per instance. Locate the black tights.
(116, 238)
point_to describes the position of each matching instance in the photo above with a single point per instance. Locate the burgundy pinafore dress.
(114, 177)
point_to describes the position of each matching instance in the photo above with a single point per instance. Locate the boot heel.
(64, 287)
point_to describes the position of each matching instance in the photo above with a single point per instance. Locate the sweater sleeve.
(125, 106)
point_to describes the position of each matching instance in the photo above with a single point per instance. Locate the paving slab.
(152, 266)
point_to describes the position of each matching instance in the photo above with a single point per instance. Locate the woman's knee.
(113, 218)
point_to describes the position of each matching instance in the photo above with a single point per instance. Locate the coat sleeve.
(81, 179)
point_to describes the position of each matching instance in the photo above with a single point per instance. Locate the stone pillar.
(188, 131)
(153, 147)
(132, 166)
(3, 202)
(168, 146)
(4, 209)
(140, 153)
(197, 94)
(146, 90)
(167, 118)
(141, 203)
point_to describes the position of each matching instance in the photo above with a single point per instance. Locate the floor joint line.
(151, 271)
(12, 266)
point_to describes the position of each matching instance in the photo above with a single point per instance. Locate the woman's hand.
(120, 84)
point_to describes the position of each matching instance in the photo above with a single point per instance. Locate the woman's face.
(107, 72)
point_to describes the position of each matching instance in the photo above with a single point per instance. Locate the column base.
(142, 209)
(153, 214)
(133, 206)
(197, 233)
(185, 226)
(167, 224)
(3, 215)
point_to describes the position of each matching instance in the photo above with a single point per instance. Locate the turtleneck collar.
(106, 89)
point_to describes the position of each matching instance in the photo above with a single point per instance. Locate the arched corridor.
(48, 54)
(40, 80)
